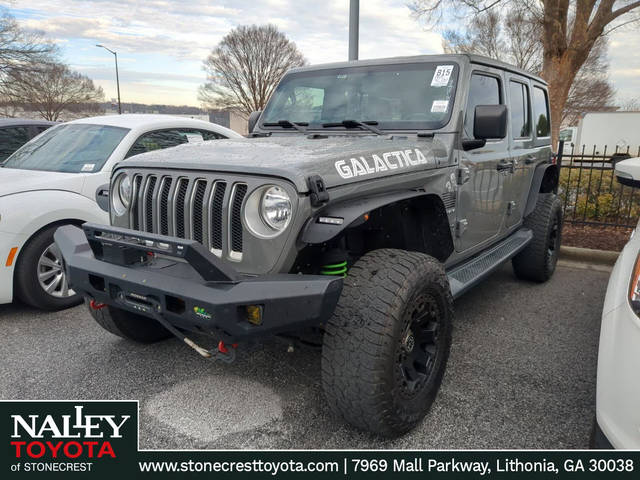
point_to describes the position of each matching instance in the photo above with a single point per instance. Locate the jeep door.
(523, 153)
(481, 202)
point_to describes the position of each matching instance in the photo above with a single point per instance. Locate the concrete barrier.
(588, 255)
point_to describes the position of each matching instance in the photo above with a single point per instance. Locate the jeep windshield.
(392, 97)
(71, 148)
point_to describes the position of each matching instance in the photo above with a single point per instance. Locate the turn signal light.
(11, 257)
(254, 314)
(634, 287)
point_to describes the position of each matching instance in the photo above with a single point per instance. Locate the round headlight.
(124, 190)
(121, 194)
(275, 208)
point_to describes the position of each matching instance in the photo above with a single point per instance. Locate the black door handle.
(529, 160)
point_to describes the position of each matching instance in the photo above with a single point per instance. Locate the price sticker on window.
(441, 76)
(439, 106)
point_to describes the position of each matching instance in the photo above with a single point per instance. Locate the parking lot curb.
(588, 255)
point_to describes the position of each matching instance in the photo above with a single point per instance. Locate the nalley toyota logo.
(66, 436)
(69, 436)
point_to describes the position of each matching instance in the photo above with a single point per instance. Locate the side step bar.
(464, 276)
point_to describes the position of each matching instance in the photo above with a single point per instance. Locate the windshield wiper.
(300, 126)
(366, 125)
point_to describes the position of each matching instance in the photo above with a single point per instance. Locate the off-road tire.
(361, 369)
(537, 261)
(27, 286)
(128, 325)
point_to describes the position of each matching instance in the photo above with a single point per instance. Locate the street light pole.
(354, 27)
(117, 75)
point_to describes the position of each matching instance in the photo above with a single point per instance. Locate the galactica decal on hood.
(359, 166)
(339, 160)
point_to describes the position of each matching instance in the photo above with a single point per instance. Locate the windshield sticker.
(441, 76)
(439, 106)
(88, 167)
(194, 138)
(357, 167)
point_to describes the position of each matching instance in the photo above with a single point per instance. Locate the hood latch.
(319, 194)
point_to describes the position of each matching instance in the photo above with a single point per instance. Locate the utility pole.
(354, 27)
(117, 76)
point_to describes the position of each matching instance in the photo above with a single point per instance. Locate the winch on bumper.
(188, 286)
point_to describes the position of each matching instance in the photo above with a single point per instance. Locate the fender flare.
(351, 212)
(548, 171)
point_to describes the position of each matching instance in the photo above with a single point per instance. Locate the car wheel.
(386, 347)
(40, 278)
(538, 260)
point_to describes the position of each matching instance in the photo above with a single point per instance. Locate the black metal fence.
(588, 188)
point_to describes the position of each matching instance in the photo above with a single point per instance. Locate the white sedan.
(618, 384)
(61, 177)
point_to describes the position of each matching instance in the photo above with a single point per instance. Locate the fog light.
(254, 314)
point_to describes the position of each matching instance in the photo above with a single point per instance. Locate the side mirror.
(489, 121)
(628, 172)
(102, 197)
(253, 119)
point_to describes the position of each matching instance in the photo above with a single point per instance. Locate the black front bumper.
(189, 286)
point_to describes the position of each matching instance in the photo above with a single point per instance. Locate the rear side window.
(170, 138)
(519, 93)
(483, 90)
(541, 112)
(157, 141)
(207, 135)
(41, 128)
(11, 139)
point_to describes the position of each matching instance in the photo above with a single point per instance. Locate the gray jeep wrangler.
(368, 197)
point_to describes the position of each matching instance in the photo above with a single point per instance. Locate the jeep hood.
(338, 159)
(15, 180)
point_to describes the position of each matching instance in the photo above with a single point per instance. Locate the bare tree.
(51, 90)
(630, 105)
(19, 50)
(570, 29)
(514, 35)
(245, 67)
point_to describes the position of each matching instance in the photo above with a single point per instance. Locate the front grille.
(199, 209)
(239, 191)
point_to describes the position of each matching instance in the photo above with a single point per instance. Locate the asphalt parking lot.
(521, 375)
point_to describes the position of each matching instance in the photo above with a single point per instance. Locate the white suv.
(62, 177)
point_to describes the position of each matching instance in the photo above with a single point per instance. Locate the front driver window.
(483, 90)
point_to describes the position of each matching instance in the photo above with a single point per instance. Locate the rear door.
(530, 142)
(481, 202)
(522, 149)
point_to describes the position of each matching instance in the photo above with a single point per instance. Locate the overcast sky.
(161, 43)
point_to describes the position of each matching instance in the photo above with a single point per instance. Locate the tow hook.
(96, 306)
(222, 353)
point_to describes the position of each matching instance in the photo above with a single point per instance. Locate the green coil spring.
(335, 269)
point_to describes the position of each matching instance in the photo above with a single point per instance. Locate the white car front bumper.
(7, 242)
(618, 385)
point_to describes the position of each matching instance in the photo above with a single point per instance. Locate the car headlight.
(268, 211)
(124, 190)
(121, 194)
(275, 208)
